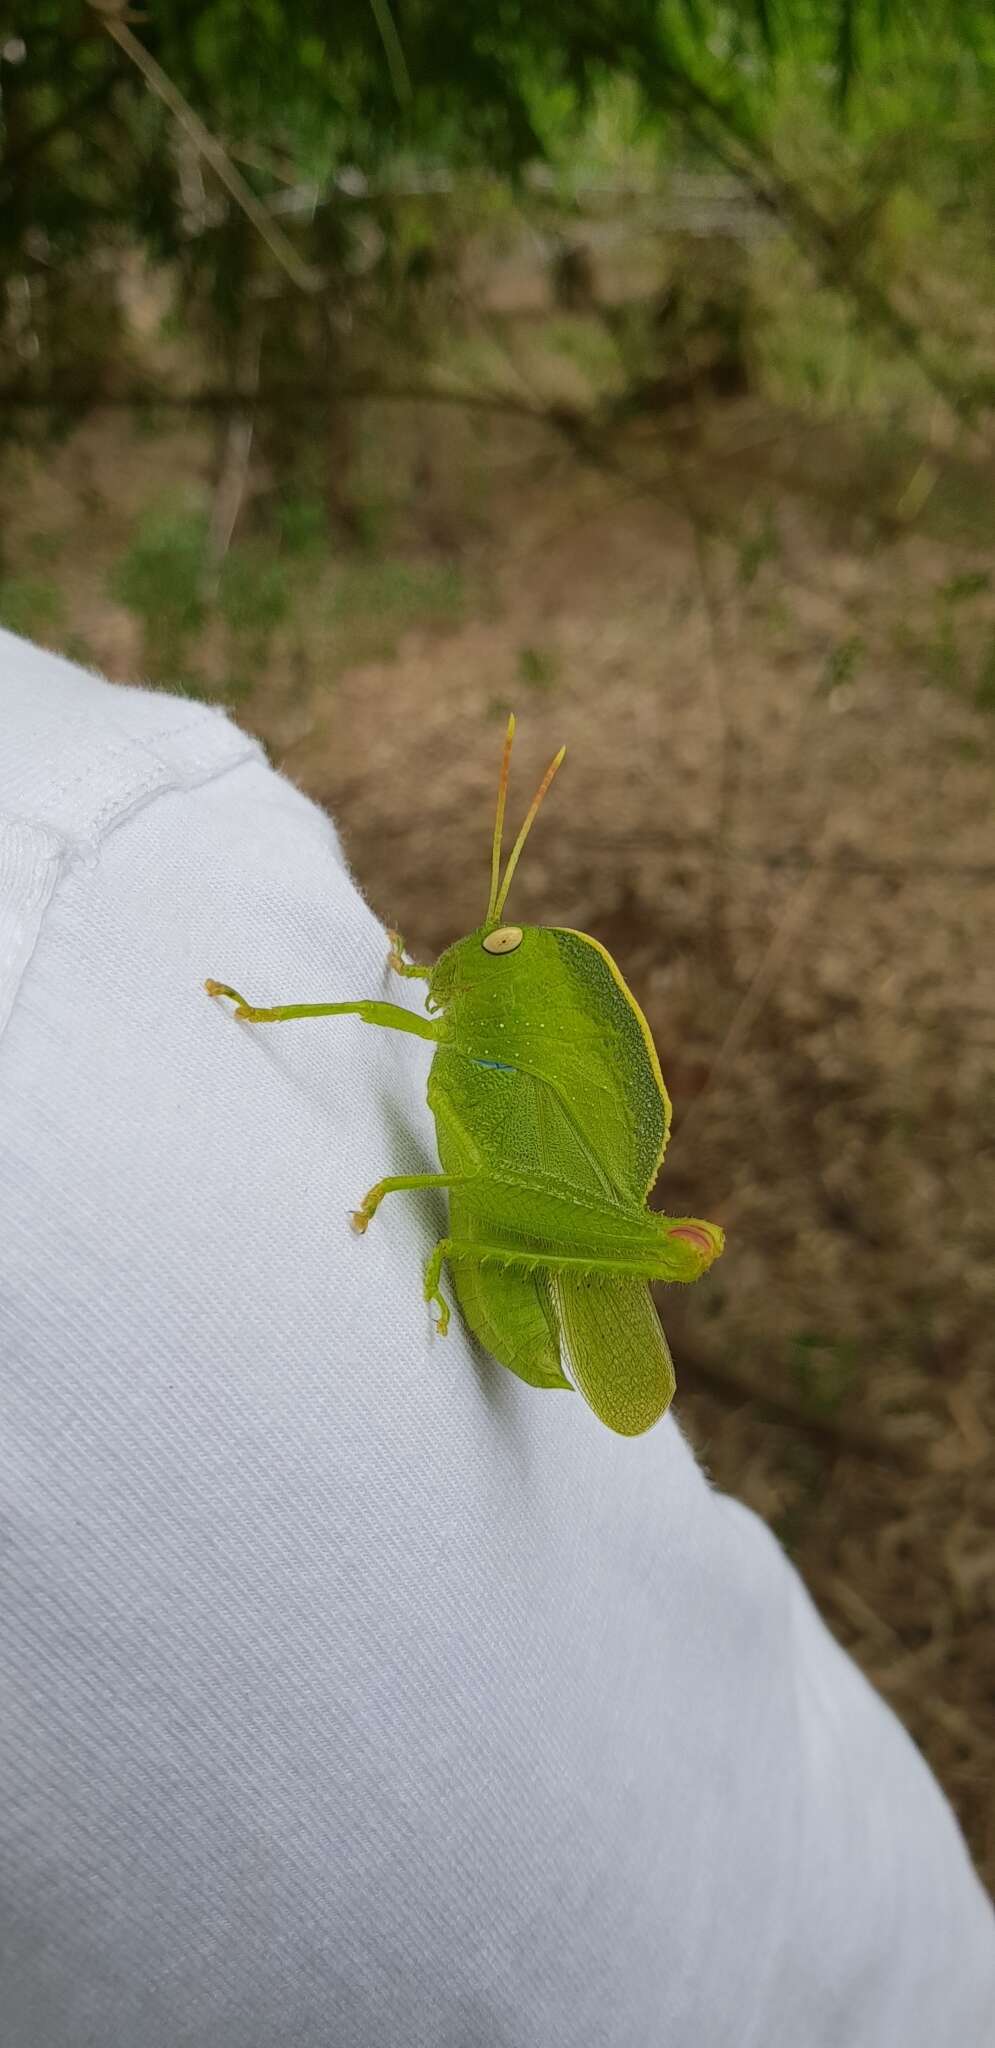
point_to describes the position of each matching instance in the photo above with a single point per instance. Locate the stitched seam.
(56, 853)
(117, 810)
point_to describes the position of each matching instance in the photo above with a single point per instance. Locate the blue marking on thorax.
(495, 1065)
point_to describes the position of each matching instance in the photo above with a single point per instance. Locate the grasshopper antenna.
(502, 797)
(516, 851)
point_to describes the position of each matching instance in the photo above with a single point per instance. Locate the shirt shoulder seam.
(35, 854)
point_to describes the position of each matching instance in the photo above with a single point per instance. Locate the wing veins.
(601, 1173)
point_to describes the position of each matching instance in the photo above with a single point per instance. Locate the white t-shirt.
(352, 1693)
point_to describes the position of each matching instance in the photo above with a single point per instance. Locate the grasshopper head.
(492, 963)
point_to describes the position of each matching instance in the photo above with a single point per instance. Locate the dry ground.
(777, 812)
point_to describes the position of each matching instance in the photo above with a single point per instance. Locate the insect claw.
(220, 988)
(441, 1324)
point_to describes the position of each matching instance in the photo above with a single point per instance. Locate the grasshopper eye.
(504, 940)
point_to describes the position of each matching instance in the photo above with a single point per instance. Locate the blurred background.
(374, 370)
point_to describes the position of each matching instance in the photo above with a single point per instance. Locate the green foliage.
(160, 578)
(959, 588)
(165, 578)
(842, 664)
(763, 545)
(91, 154)
(863, 128)
(237, 689)
(302, 524)
(44, 548)
(30, 606)
(253, 592)
(949, 646)
(586, 342)
(824, 1369)
(397, 592)
(984, 692)
(538, 667)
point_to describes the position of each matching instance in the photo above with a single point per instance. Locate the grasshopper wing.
(619, 1354)
(513, 1317)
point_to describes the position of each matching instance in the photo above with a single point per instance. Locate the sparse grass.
(395, 593)
(32, 606)
(161, 579)
(984, 691)
(45, 548)
(301, 525)
(755, 548)
(824, 1370)
(216, 631)
(842, 664)
(254, 594)
(538, 667)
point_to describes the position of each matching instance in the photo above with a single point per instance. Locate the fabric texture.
(352, 1693)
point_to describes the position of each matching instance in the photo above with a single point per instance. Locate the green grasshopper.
(552, 1120)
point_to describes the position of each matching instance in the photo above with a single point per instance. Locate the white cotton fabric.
(353, 1694)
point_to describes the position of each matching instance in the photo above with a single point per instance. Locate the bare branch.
(280, 247)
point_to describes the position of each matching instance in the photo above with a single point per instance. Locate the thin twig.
(228, 398)
(236, 458)
(396, 60)
(300, 273)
